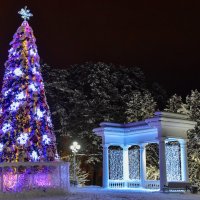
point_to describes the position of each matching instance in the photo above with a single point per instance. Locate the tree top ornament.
(25, 13)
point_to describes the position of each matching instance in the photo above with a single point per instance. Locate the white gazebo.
(127, 169)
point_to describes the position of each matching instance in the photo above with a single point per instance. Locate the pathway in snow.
(97, 193)
(90, 193)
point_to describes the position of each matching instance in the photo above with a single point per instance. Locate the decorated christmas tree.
(26, 131)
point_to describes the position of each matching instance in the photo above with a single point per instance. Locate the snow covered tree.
(174, 104)
(87, 94)
(193, 105)
(26, 131)
(159, 95)
(193, 110)
(140, 106)
(82, 175)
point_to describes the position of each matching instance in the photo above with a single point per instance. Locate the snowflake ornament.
(46, 139)
(20, 96)
(33, 52)
(18, 72)
(25, 13)
(49, 121)
(22, 139)
(34, 155)
(6, 127)
(32, 87)
(34, 71)
(1, 147)
(39, 113)
(6, 93)
(14, 106)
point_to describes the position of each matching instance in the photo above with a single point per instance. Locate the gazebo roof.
(169, 126)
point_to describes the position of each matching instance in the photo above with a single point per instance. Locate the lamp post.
(75, 147)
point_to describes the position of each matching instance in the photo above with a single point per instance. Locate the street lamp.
(75, 147)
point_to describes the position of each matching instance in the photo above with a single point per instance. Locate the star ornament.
(25, 13)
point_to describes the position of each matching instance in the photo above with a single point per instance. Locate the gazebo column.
(143, 164)
(105, 166)
(184, 162)
(125, 165)
(162, 163)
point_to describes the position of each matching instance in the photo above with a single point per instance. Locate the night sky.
(162, 37)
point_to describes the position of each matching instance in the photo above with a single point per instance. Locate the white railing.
(149, 184)
(20, 176)
(124, 184)
(134, 184)
(152, 184)
(116, 184)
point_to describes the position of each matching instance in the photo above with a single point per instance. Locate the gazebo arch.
(164, 127)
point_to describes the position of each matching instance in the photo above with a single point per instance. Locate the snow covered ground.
(97, 193)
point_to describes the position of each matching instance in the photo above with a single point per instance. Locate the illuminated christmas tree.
(26, 131)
